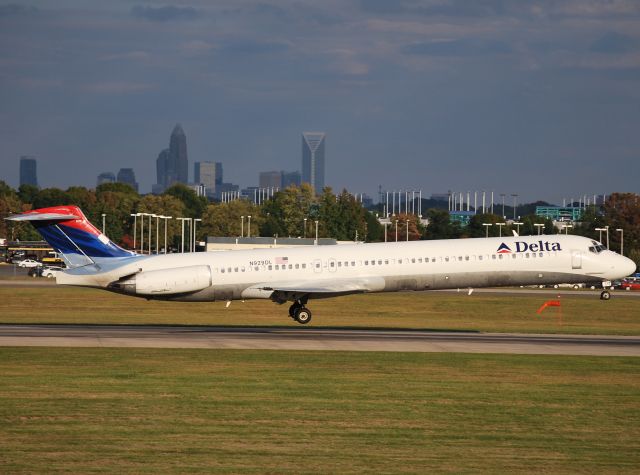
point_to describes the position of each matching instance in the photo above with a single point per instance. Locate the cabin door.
(576, 259)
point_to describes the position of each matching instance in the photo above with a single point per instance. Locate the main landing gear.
(605, 295)
(300, 313)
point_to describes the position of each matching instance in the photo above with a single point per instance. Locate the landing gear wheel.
(303, 315)
(605, 295)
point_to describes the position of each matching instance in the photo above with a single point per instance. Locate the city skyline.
(419, 94)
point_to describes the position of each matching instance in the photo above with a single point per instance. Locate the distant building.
(126, 175)
(199, 188)
(172, 164)
(178, 156)
(106, 177)
(291, 178)
(462, 217)
(28, 171)
(219, 179)
(560, 213)
(313, 160)
(270, 180)
(204, 173)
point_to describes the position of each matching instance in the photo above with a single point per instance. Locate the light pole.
(500, 228)
(407, 230)
(600, 231)
(150, 229)
(135, 228)
(165, 232)
(503, 195)
(103, 222)
(182, 233)
(486, 227)
(606, 228)
(539, 226)
(142, 215)
(195, 241)
(249, 227)
(157, 216)
(515, 196)
(316, 243)
(241, 226)
(385, 231)
(304, 232)
(621, 231)
(518, 227)
(566, 228)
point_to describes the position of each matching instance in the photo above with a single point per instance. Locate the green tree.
(622, 211)
(285, 213)
(440, 226)
(162, 205)
(51, 197)
(194, 205)
(224, 219)
(28, 193)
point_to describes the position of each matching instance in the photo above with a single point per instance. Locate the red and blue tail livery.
(71, 234)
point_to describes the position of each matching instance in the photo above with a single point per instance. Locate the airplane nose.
(628, 266)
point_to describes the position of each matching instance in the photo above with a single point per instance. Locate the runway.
(281, 338)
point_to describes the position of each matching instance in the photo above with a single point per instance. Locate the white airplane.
(313, 272)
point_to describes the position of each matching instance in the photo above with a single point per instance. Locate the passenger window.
(317, 265)
(222, 270)
(493, 256)
(277, 267)
(235, 270)
(419, 260)
(433, 259)
(339, 264)
(527, 255)
(500, 256)
(353, 263)
(257, 268)
(270, 267)
(290, 266)
(466, 258)
(541, 254)
(366, 263)
(304, 266)
(446, 259)
(297, 266)
(479, 258)
(513, 256)
(380, 262)
(332, 264)
(242, 269)
(413, 261)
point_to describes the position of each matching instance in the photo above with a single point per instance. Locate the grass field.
(159, 411)
(421, 310)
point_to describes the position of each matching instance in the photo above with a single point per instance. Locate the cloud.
(14, 9)
(614, 43)
(252, 47)
(460, 47)
(165, 14)
(451, 8)
(118, 87)
(128, 56)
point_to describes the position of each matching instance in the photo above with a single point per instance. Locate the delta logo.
(522, 246)
(504, 249)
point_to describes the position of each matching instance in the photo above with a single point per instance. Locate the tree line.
(294, 211)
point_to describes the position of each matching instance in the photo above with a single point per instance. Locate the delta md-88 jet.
(301, 274)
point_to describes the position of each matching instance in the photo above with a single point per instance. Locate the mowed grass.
(162, 411)
(420, 310)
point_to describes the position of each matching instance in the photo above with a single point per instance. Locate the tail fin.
(68, 231)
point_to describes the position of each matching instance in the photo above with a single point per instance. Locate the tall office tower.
(218, 174)
(162, 163)
(106, 177)
(270, 180)
(313, 159)
(178, 169)
(126, 175)
(28, 171)
(291, 178)
(204, 173)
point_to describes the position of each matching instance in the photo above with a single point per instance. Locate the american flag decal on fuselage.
(282, 260)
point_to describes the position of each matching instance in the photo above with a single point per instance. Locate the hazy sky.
(540, 97)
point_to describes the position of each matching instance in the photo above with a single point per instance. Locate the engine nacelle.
(166, 281)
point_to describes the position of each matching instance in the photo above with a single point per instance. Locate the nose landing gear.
(605, 295)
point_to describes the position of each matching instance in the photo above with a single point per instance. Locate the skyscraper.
(162, 162)
(172, 164)
(106, 177)
(204, 173)
(28, 171)
(313, 159)
(291, 178)
(218, 174)
(127, 175)
(270, 180)
(178, 170)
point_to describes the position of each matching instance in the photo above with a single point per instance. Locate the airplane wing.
(321, 288)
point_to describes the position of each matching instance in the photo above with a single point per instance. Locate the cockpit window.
(597, 247)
